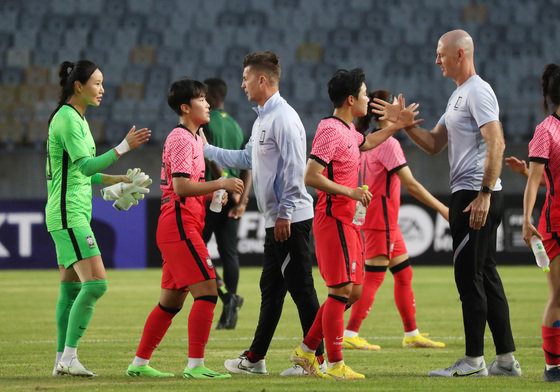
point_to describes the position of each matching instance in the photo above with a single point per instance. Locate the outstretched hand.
(398, 113)
(135, 138)
(387, 111)
(518, 166)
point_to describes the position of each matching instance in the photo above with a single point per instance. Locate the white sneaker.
(243, 365)
(496, 370)
(55, 373)
(297, 370)
(461, 369)
(74, 368)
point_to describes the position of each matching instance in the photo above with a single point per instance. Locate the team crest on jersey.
(90, 241)
(459, 99)
(209, 263)
(263, 134)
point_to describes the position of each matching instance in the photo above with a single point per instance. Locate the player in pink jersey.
(186, 264)
(544, 155)
(333, 170)
(383, 169)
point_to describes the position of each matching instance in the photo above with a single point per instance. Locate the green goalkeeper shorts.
(74, 244)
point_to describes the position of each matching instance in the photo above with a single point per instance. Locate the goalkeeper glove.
(117, 191)
(125, 202)
(138, 178)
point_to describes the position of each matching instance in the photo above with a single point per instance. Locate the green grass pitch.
(27, 337)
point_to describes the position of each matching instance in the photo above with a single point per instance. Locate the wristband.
(122, 148)
(485, 189)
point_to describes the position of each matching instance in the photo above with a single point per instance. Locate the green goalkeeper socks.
(82, 310)
(67, 294)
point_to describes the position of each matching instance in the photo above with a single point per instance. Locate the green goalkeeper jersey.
(69, 191)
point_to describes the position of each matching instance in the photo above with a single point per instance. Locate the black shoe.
(232, 310)
(222, 321)
(552, 375)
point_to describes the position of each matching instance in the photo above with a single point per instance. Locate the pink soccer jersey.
(337, 147)
(183, 156)
(378, 170)
(545, 148)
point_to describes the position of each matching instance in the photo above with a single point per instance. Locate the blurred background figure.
(223, 131)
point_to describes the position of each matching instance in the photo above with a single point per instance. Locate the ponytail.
(69, 73)
(550, 83)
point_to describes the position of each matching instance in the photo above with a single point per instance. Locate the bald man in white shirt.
(471, 129)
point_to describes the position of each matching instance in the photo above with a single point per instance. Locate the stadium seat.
(9, 13)
(143, 55)
(27, 94)
(97, 130)
(140, 6)
(18, 57)
(42, 109)
(8, 95)
(89, 7)
(115, 131)
(131, 91)
(158, 76)
(12, 75)
(11, 133)
(36, 135)
(98, 56)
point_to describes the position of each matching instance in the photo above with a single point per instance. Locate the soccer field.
(27, 336)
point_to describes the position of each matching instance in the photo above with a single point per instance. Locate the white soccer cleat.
(461, 369)
(242, 365)
(74, 368)
(297, 370)
(55, 372)
(496, 370)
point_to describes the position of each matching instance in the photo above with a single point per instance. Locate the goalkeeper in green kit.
(71, 168)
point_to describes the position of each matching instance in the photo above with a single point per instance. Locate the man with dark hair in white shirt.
(276, 153)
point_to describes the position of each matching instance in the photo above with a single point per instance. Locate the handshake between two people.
(127, 194)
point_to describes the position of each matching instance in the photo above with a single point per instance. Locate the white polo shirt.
(471, 105)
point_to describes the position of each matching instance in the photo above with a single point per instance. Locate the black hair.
(345, 83)
(550, 83)
(363, 123)
(69, 73)
(217, 91)
(182, 91)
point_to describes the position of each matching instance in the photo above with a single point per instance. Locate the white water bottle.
(217, 197)
(360, 214)
(540, 253)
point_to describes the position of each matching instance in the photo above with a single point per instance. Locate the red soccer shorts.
(377, 243)
(552, 247)
(338, 247)
(185, 263)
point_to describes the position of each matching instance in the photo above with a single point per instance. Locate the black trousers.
(286, 268)
(479, 285)
(225, 229)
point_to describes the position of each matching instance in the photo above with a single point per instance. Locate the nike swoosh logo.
(195, 157)
(457, 374)
(79, 326)
(349, 146)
